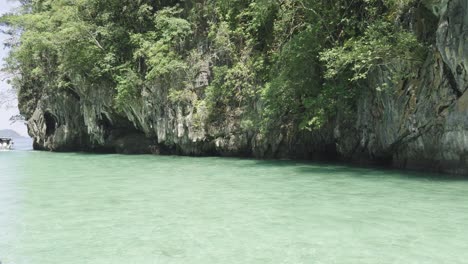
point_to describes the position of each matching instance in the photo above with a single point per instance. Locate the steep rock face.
(82, 119)
(420, 122)
(405, 125)
(57, 123)
(452, 41)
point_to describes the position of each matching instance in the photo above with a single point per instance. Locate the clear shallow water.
(79, 208)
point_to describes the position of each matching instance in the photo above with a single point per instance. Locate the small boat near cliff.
(6, 143)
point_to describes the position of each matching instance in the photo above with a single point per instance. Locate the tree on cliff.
(302, 59)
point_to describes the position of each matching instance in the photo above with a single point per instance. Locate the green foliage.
(295, 78)
(295, 62)
(128, 85)
(380, 45)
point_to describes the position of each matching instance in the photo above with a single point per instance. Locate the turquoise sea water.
(100, 209)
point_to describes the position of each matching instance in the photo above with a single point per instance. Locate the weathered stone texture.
(417, 123)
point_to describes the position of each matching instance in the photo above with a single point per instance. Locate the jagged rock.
(419, 122)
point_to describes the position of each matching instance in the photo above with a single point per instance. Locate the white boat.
(6, 144)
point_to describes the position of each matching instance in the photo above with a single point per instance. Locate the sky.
(7, 112)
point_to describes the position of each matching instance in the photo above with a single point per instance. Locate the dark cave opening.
(50, 122)
(105, 123)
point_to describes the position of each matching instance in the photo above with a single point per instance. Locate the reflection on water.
(81, 208)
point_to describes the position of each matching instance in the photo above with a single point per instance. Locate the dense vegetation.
(290, 61)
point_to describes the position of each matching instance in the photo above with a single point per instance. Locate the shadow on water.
(300, 166)
(350, 170)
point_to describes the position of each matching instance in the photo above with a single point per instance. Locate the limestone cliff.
(422, 123)
(419, 122)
